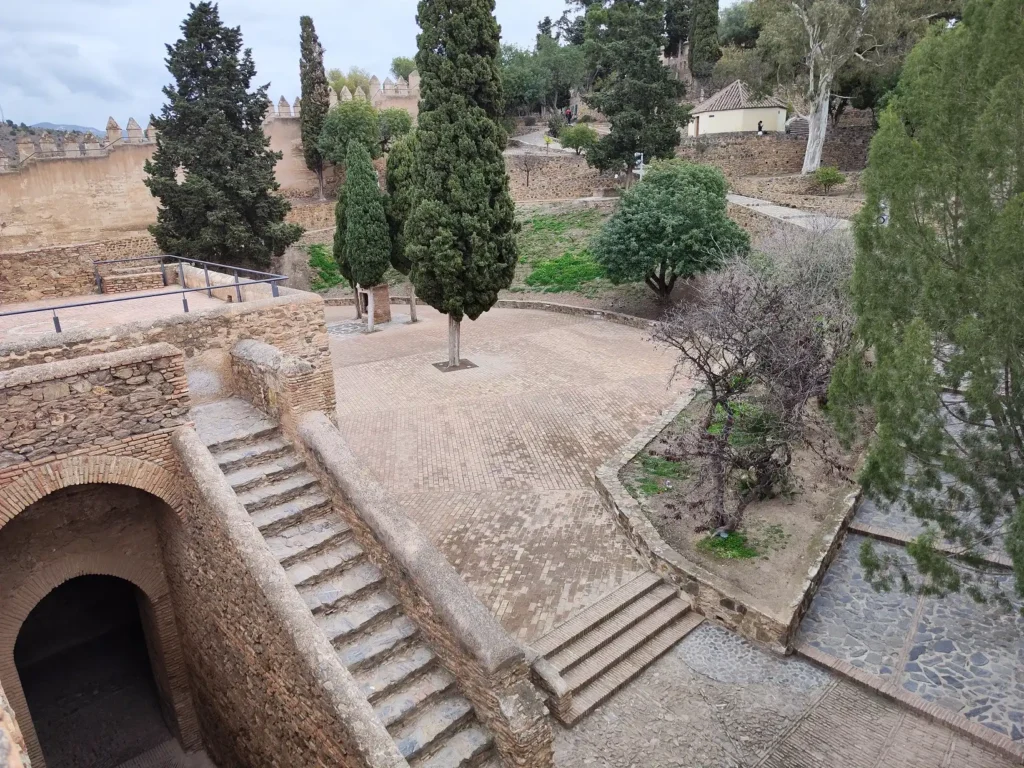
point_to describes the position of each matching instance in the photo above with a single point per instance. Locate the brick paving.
(496, 463)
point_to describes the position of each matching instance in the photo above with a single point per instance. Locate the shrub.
(828, 176)
(587, 119)
(556, 124)
(530, 120)
(578, 137)
(326, 273)
(568, 272)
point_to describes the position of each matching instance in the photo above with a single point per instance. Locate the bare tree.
(762, 336)
(528, 162)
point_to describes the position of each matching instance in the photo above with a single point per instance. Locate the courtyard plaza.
(496, 463)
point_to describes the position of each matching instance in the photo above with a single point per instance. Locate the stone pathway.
(802, 219)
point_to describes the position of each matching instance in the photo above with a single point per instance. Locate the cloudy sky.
(81, 61)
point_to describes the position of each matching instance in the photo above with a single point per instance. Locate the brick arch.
(37, 482)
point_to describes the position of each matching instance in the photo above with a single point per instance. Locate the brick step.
(152, 265)
(488, 759)
(362, 615)
(280, 516)
(585, 646)
(630, 667)
(328, 595)
(324, 565)
(428, 729)
(378, 680)
(611, 654)
(565, 633)
(276, 493)
(378, 643)
(232, 423)
(307, 538)
(470, 747)
(254, 453)
(417, 692)
(248, 478)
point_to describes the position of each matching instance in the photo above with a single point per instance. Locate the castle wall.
(13, 751)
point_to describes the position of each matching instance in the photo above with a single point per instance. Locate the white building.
(734, 110)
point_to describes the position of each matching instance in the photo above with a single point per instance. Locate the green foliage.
(399, 198)
(225, 209)
(401, 66)
(827, 177)
(349, 121)
(367, 241)
(393, 124)
(315, 99)
(540, 78)
(340, 255)
(677, 25)
(733, 546)
(460, 236)
(738, 26)
(588, 118)
(633, 88)
(938, 286)
(578, 137)
(355, 78)
(753, 425)
(671, 225)
(556, 124)
(567, 272)
(326, 273)
(705, 50)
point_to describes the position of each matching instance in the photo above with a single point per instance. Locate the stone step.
(376, 644)
(280, 516)
(246, 478)
(585, 673)
(565, 633)
(246, 455)
(426, 731)
(307, 538)
(488, 760)
(468, 747)
(231, 423)
(582, 648)
(361, 615)
(630, 667)
(323, 565)
(379, 679)
(396, 707)
(279, 492)
(329, 594)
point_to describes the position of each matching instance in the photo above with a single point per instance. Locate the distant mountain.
(67, 127)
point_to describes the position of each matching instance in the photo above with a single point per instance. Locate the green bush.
(556, 124)
(732, 547)
(752, 425)
(530, 120)
(326, 274)
(828, 176)
(587, 119)
(578, 137)
(567, 272)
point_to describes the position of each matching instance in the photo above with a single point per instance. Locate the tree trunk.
(320, 179)
(454, 334)
(369, 311)
(359, 304)
(817, 126)
(412, 303)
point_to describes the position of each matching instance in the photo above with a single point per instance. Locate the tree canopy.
(393, 124)
(402, 66)
(367, 242)
(399, 198)
(315, 97)
(705, 49)
(356, 77)
(350, 120)
(211, 127)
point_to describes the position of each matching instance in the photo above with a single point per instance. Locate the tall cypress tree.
(316, 97)
(367, 244)
(705, 50)
(225, 209)
(677, 25)
(460, 236)
(398, 205)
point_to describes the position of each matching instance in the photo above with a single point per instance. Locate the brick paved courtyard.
(496, 463)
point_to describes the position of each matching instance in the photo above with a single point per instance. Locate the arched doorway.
(84, 666)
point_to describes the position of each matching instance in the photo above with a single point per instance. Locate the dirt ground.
(787, 532)
(801, 192)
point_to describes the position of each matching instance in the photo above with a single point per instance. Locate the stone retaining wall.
(13, 752)
(555, 175)
(491, 668)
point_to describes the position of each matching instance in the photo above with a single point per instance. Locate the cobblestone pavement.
(715, 701)
(497, 463)
(964, 656)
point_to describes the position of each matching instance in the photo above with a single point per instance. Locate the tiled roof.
(736, 96)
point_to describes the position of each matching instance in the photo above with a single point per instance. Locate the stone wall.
(554, 175)
(13, 752)
(296, 180)
(270, 688)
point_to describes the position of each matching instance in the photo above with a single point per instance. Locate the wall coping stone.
(475, 628)
(268, 356)
(370, 739)
(79, 366)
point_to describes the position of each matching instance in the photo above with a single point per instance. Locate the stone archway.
(94, 555)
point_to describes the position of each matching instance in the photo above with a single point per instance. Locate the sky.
(82, 61)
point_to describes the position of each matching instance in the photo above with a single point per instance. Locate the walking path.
(802, 219)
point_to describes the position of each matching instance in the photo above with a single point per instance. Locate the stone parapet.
(491, 668)
(13, 752)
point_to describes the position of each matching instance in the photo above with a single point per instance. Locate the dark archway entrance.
(84, 667)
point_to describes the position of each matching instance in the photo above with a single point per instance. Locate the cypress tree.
(315, 98)
(225, 209)
(677, 25)
(705, 50)
(398, 205)
(367, 244)
(460, 237)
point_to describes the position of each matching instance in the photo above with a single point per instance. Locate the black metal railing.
(178, 263)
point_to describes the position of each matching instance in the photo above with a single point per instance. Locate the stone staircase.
(169, 755)
(141, 277)
(609, 644)
(412, 694)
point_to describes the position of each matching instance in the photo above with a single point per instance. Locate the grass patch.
(658, 474)
(568, 272)
(769, 538)
(547, 236)
(752, 425)
(735, 546)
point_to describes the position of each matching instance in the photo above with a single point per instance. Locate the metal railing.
(261, 278)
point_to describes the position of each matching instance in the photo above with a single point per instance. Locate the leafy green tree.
(350, 120)
(579, 137)
(315, 98)
(394, 123)
(402, 66)
(339, 252)
(565, 67)
(671, 225)
(398, 205)
(739, 26)
(827, 177)
(677, 25)
(367, 242)
(224, 209)
(356, 77)
(633, 89)
(938, 286)
(461, 235)
(525, 83)
(705, 50)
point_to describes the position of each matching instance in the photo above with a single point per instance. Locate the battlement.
(380, 94)
(44, 147)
